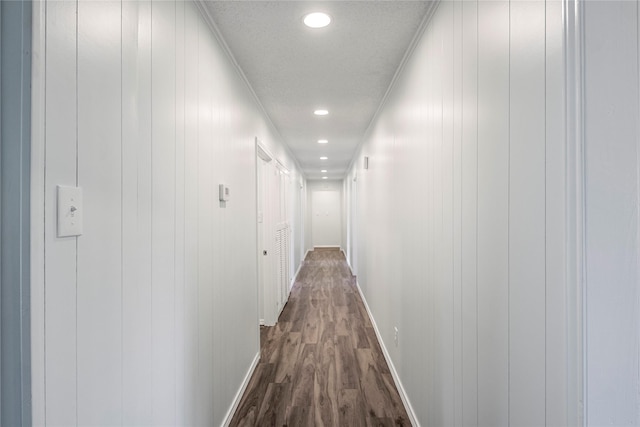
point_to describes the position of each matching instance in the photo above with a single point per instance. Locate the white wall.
(460, 217)
(320, 185)
(326, 222)
(298, 206)
(136, 322)
(612, 166)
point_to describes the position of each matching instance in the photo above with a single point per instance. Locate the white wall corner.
(295, 276)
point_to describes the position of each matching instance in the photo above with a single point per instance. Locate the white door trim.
(575, 209)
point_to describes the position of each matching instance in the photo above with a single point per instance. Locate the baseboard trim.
(350, 267)
(236, 401)
(295, 276)
(396, 379)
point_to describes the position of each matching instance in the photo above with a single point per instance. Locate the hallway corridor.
(321, 364)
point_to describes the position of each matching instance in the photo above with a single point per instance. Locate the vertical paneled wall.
(140, 321)
(460, 217)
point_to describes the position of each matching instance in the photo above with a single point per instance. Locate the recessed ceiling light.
(323, 158)
(324, 177)
(321, 112)
(317, 20)
(323, 141)
(323, 171)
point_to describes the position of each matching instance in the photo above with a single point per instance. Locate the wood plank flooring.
(321, 365)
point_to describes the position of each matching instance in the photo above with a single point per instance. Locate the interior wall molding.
(573, 15)
(38, 83)
(204, 11)
(433, 6)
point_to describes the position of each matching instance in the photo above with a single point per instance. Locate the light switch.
(69, 211)
(224, 193)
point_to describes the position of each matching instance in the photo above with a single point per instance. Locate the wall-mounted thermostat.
(224, 193)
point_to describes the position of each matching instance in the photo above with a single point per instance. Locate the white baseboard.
(344, 252)
(396, 379)
(243, 387)
(295, 276)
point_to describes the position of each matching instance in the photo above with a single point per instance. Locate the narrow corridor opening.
(321, 364)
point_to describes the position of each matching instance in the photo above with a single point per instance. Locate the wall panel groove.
(473, 167)
(147, 114)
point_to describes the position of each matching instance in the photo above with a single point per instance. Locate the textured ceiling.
(345, 68)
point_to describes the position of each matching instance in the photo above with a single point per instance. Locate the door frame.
(15, 210)
(263, 158)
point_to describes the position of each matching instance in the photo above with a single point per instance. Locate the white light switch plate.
(69, 211)
(224, 192)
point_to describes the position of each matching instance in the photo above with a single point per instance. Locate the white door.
(266, 216)
(261, 178)
(326, 221)
(273, 262)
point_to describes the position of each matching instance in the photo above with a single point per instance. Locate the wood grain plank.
(359, 336)
(346, 363)
(372, 385)
(311, 325)
(249, 407)
(338, 297)
(321, 364)
(298, 314)
(342, 322)
(286, 358)
(352, 304)
(304, 377)
(274, 405)
(377, 351)
(325, 396)
(351, 411)
(299, 416)
(380, 422)
(394, 399)
(287, 311)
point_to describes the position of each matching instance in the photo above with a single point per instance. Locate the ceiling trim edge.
(396, 76)
(204, 11)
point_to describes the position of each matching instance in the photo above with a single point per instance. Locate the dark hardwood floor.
(321, 364)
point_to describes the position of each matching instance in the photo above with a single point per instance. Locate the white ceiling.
(345, 68)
